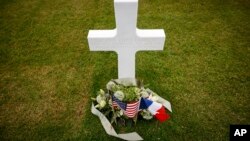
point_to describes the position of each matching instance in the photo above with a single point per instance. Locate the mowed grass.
(48, 73)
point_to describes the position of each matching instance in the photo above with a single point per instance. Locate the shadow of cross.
(126, 39)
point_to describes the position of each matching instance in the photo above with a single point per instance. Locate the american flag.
(129, 109)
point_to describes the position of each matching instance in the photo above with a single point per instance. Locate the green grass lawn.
(48, 74)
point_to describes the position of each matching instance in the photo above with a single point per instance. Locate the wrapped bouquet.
(127, 99)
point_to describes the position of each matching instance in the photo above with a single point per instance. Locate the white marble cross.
(126, 39)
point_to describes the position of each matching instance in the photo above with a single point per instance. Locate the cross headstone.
(126, 39)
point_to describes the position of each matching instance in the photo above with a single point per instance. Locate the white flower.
(146, 115)
(144, 94)
(102, 92)
(119, 95)
(110, 102)
(110, 85)
(121, 112)
(98, 98)
(102, 103)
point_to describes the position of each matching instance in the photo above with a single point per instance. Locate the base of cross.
(126, 100)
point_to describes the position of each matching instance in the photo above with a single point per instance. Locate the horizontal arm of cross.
(109, 40)
(152, 39)
(101, 40)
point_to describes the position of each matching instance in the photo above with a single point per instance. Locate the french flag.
(155, 109)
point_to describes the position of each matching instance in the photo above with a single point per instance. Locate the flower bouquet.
(126, 99)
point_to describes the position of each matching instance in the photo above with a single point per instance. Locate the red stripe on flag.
(132, 109)
(114, 104)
